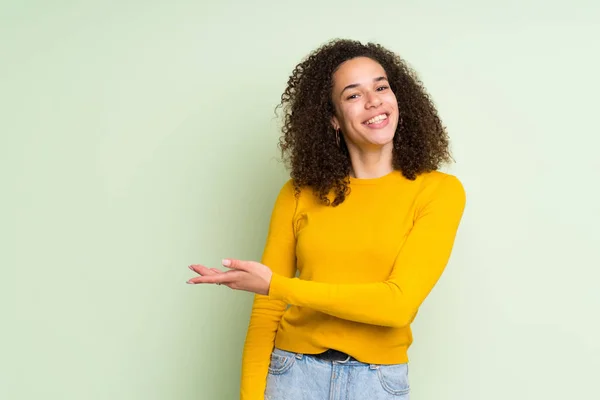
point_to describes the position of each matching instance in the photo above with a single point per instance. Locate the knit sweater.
(351, 277)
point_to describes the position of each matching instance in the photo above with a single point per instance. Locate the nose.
(373, 100)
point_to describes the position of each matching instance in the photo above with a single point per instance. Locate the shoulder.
(438, 179)
(441, 185)
(287, 192)
(301, 195)
(290, 195)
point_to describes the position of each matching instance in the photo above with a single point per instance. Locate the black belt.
(333, 355)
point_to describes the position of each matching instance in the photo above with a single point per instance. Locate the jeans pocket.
(281, 362)
(394, 378)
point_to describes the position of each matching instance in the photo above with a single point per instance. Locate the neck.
(371, 163)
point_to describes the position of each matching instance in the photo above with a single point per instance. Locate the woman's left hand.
(250, 276)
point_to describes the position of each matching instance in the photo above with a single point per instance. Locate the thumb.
(235, 264)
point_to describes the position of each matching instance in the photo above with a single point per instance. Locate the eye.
(382, 88)
(352, 97)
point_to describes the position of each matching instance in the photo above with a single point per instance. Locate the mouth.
(378, 121)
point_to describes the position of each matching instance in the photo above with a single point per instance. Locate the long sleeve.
(279, 254)
(417, 268)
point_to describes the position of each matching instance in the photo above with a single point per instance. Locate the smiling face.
(366, 109)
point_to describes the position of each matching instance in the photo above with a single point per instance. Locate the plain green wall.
(138, 137)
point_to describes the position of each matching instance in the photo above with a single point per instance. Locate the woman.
(366, 221)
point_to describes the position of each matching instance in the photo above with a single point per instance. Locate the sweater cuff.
(278, 287)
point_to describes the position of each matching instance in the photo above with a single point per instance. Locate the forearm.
(383, 303)
(258, 346)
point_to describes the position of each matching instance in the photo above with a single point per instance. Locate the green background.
(138, 137)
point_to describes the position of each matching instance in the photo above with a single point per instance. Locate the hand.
(250, 276)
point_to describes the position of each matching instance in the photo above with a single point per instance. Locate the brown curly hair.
(308, 144)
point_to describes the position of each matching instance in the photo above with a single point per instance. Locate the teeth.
(376, 119)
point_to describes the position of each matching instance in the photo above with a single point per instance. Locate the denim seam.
(285, 365)
(387, 388)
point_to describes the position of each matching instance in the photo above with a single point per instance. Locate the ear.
(335, 123)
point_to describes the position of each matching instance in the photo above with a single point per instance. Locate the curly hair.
(308, 143)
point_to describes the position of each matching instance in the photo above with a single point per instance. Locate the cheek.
(351, 114)
(394, 102)
(391, 99)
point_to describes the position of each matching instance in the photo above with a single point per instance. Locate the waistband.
(333, 355)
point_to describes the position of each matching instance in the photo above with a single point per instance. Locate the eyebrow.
(355, 85)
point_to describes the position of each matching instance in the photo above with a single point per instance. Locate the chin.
(381, 139)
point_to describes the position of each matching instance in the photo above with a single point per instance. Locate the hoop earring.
(337, 137)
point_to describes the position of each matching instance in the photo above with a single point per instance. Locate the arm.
(266, 313)
(418, 266)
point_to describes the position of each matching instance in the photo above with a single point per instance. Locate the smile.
(376, 119)
(377, 122)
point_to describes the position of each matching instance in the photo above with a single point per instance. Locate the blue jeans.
(294, 376)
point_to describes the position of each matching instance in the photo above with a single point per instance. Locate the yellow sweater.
(364, 268)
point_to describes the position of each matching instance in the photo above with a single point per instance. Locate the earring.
(337, 137)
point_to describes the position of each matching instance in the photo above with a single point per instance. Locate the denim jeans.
(294, 376)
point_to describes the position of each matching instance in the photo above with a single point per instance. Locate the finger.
(222, 278)
(202, 270)
(240, 265)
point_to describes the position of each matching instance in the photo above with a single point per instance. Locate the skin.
(360, 92)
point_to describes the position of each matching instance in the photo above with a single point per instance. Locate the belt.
(333, 355)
